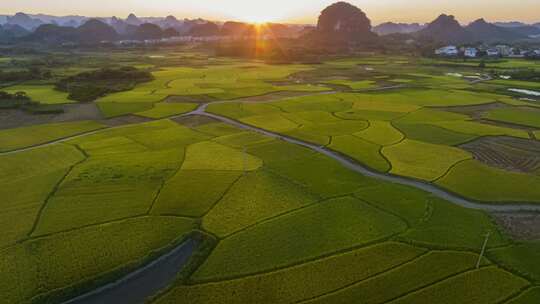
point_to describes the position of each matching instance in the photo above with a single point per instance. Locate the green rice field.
(88, 201)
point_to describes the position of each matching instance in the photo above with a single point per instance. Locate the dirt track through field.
(357, 167)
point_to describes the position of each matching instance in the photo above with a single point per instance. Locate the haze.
(297, 11)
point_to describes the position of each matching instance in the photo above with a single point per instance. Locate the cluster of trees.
(88, 86)
(32, 73)
(15, 100)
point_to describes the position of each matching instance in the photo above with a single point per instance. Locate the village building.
(450, 50)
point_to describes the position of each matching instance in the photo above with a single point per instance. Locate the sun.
(258, 19)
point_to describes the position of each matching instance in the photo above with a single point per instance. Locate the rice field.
(286, 224)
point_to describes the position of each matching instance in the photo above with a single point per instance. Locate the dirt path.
(143, 283)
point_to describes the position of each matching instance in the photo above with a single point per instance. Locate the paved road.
(147, 281)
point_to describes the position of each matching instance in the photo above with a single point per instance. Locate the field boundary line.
(388, 239)
(347, 286)
(396, 268)
(55, 190)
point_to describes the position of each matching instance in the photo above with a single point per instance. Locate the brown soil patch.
(73, 112)
(193, 121)
(199, 99)
(474, 111)
(277, 95)
(520, 225)
(125, 120)
(509, 153)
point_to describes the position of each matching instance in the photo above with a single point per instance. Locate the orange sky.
(299, 11)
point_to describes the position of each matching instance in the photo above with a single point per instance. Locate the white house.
(450, 50)
(504, 50)
(471, 52)
(492, 52)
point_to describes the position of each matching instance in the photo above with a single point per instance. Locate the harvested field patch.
(508, 153)
(114, 109)
(474, 111)
(520, 225)
(72, 112)
(198, 99)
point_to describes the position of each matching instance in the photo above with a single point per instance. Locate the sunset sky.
(297, 11)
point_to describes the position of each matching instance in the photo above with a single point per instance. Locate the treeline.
(32, 73)
(89, 86)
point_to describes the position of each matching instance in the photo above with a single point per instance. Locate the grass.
(362, 151)
(298, 237)
(19, 138)
(255, 197)
(521, 258)
(422, 272)
(163, 110)
(44, 94)
(213, 156)
(491, 285)
(51, 268)
(483, 183)
(193, 193)
(422, 160)
(300, 282)
(520, 116)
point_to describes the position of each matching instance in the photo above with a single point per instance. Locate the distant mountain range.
(447, 29)
(70, 28)
(388, 28)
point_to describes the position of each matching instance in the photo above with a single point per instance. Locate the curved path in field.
(357, 167)
(145, 282)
